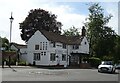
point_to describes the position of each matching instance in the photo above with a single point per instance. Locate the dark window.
(63, 57)
(52, 57)
(43, 46)
(75, 46)
(36, 47)
(64, 46)
(36, 56)
(46, 46)
(44, 53)
(40, 45)
(85, 43)
(53, 44)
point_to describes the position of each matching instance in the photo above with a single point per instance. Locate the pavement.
(14, 66)
(29, 73)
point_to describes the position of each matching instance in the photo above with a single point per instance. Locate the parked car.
(107, 66)
(117, 66)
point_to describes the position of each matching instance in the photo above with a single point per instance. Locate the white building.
(50, 49)
(20, 49)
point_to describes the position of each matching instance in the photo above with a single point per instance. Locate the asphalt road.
(39, 74)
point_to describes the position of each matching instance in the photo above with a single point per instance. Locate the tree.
(5, 43)
(39, 19)
(116, 51)
(71, 32)
(101, 36)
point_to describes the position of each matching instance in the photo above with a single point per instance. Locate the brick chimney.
(83, 31)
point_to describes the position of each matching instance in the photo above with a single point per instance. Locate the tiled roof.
(19, 46)
(61, 38)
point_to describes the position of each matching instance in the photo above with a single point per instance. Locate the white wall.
(83, 48)
(35, 40)
(58, 50)
(23, 52)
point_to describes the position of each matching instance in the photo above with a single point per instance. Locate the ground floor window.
(36, 56)
(52, 57)
(63, 57)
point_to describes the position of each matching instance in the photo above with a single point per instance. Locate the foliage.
(71, 32)
(94, 62)
(116, 51)
(39, 19)
(5, 43)
(107, 58)
(12, 61)
(22, 62)
(102, 38)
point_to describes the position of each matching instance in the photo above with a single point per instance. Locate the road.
(39, 74)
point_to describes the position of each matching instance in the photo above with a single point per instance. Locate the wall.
(35, 40)
(83, 48)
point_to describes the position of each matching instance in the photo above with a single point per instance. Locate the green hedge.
(107, 58)
(94, 62)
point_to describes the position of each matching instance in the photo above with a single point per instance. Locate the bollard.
(16, 63)
(4, 62)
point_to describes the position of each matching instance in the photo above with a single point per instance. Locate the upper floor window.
(46, 46)
(64, 46)
(85, 43)
(36, 47)
(43, 46)
(53, 44)
(40, 45)
(75, 46)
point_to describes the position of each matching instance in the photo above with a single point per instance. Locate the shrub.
(107, 58)
(94, 62)
(12, 61)
(22, 63)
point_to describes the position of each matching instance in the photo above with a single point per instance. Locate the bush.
(12, 61)
(94, 62)
(107, 58)
(22, 63)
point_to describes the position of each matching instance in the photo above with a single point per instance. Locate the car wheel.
(99, 71)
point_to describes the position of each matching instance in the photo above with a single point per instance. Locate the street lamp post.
(11, 20)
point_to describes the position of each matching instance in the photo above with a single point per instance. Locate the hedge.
(94, 62)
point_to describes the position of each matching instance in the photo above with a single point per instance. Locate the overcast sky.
(72, 13)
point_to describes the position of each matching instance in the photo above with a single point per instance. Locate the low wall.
(85, 65)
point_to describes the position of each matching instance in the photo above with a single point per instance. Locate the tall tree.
(101, 36)
(116, 51)
(39, 19)
(71, 32)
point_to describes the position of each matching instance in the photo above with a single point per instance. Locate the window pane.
(40, 45)
(43, 46)
(36, 56)
(52, 57)
(63, 57)
(44, 53)
(64, 46)
(46, 46)
(36, 47)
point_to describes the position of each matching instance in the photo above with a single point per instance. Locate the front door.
(74, 60)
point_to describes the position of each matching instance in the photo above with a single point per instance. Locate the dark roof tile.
(61, 38)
